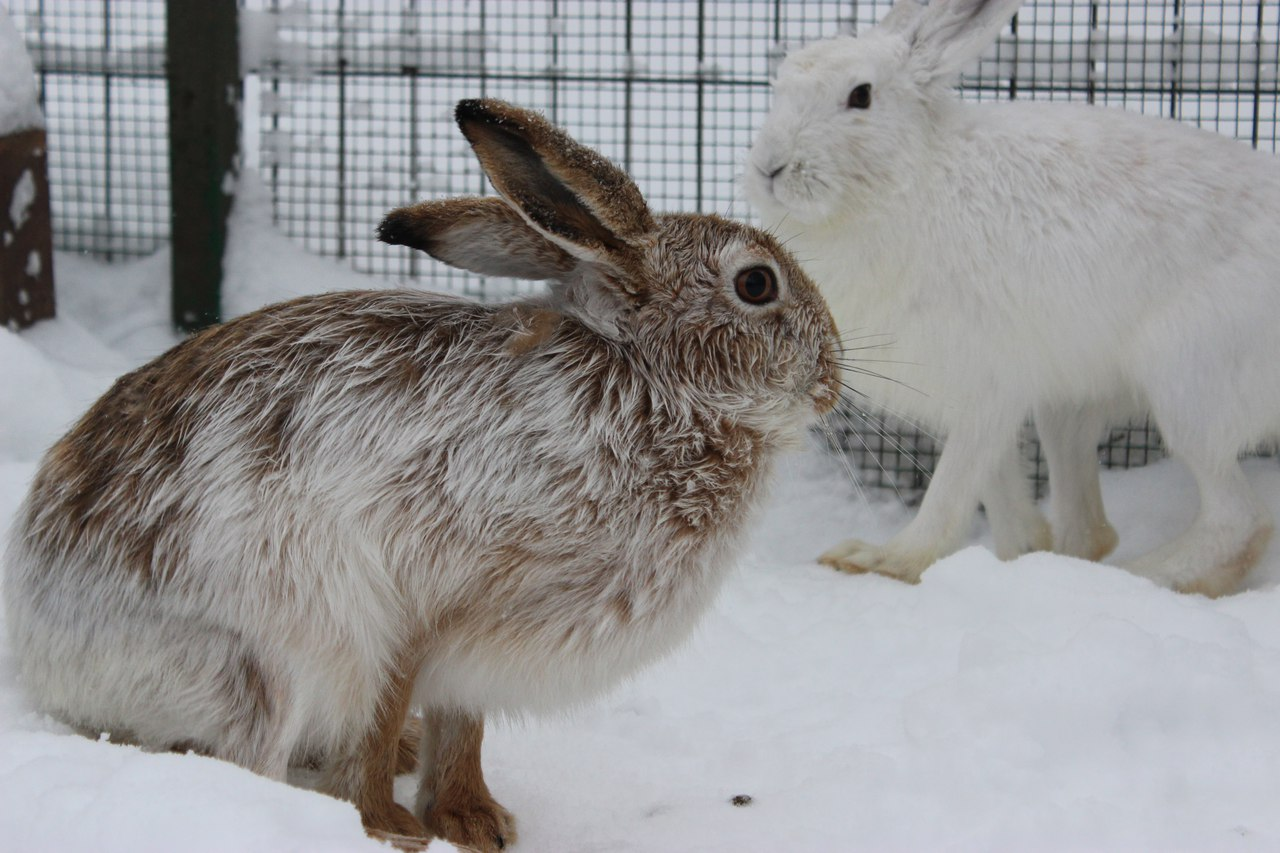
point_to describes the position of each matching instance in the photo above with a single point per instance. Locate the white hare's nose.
(771, 172)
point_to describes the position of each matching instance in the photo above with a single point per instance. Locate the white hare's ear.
(903, 17)
(483, 235)
(949, 34)
(569, 194)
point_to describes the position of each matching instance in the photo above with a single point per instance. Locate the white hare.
(1067, 261)
(273, 541)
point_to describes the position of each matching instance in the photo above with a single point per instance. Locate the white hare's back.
(1049, 257)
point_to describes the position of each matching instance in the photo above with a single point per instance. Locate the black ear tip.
(468, 108)
(471, 109)
(394, 228)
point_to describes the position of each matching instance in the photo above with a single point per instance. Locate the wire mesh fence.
(348, 109)
(355, 101)
(102, 88)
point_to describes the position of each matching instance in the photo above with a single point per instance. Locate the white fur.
(1067, 261)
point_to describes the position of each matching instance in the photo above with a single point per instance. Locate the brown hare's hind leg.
(453, 800)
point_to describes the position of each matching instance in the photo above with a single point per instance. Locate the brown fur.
(706, 485)
(534, 328)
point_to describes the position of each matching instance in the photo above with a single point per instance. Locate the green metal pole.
(202, 51)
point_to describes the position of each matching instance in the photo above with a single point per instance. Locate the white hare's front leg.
(970, 460)
(1069, 437)
(1017, 525)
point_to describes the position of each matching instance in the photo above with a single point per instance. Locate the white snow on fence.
(19, 104)
(1194, 58)
(24, 195)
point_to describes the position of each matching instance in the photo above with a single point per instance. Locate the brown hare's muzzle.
(825, 390)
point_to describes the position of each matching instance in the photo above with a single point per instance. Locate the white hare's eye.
(756, 285)
(860, 97)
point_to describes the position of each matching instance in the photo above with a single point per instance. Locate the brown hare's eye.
(757, 285)
(860, 97)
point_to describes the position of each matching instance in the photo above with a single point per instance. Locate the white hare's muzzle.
(786, 190)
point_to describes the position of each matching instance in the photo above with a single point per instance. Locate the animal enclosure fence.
(347, 110)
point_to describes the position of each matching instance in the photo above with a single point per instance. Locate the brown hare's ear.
(483, 235)
(573, 196)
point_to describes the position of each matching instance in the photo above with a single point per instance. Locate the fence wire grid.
(348, 111)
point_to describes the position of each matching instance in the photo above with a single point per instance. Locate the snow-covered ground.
(1045, 704)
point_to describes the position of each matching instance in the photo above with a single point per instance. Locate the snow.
(1046, 703)
(19, 102)
(24, 195)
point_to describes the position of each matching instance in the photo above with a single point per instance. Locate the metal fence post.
(202, 54)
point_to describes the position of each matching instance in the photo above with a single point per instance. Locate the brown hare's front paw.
(478, 824)
(397, 826)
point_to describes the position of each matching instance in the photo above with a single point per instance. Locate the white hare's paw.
(1203, 564)
(1086, 541)
(856, 557)
(1037, 537)
(1024, 533)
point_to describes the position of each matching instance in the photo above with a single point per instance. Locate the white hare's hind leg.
(1228, 536)
(1211, 395)
(1069, 437)
(1017, 525)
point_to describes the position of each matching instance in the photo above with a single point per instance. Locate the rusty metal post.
(26, 230)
